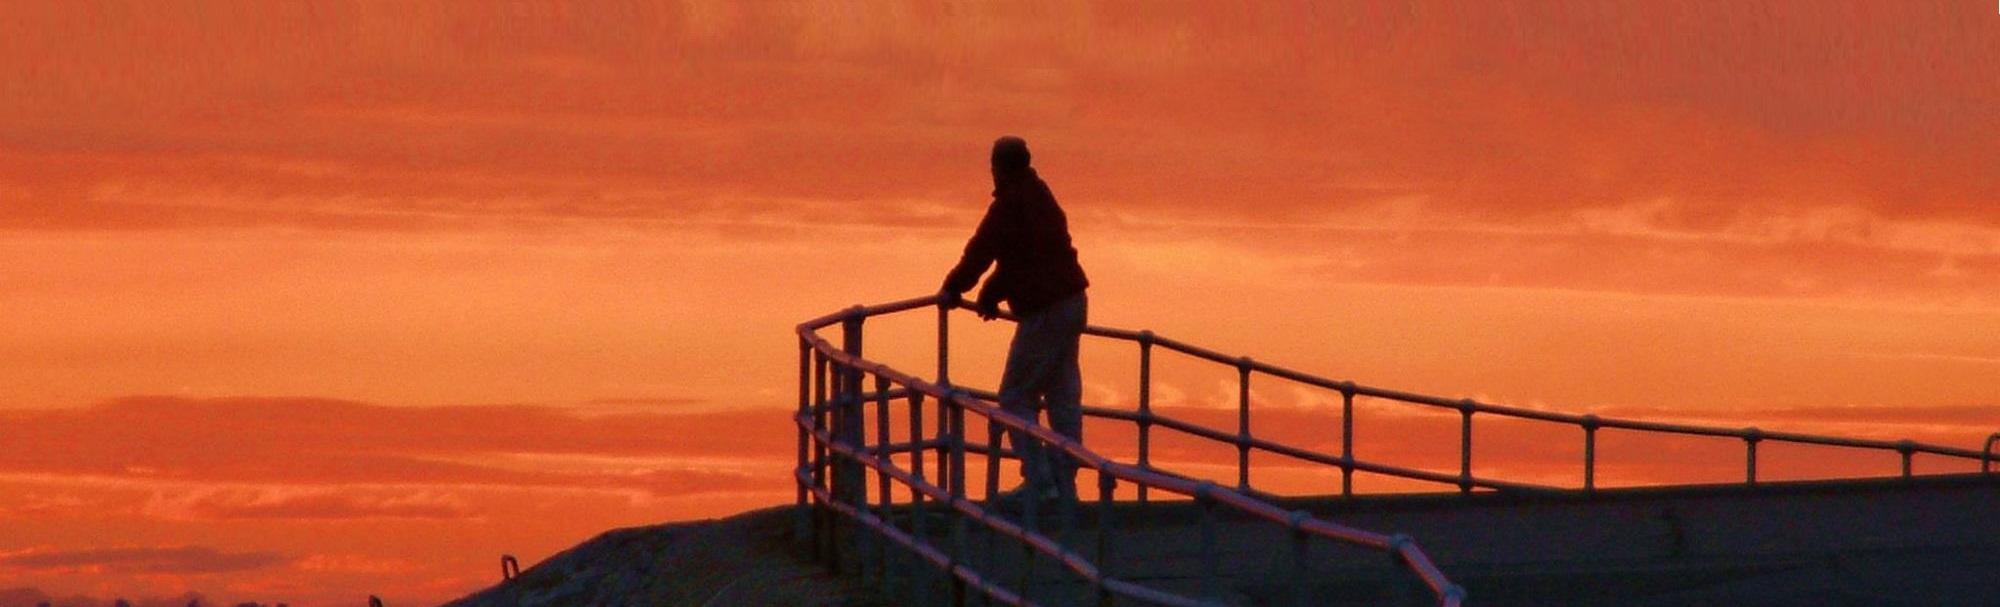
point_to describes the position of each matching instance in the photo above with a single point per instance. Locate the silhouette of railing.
(834, 457)
(1986, 454)
(510, 568)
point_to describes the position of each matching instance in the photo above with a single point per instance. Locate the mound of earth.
(748, 560)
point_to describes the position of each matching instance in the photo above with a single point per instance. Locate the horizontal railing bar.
(1428, 571)
(905, 447)
(895, 394)
(1315, 456)
(1602, 422)
(867, 311)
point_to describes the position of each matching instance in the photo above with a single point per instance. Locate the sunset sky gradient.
(311, 301)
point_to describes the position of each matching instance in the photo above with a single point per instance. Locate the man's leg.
(1065, 393)
(1030, 365)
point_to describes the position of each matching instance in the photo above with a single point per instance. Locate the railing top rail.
(1587, 421)
(868, 311)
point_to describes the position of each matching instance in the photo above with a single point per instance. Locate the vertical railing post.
(1300, 546)
(993, 438)
(944, 431)
(802, 518)
(1590, 425)
(823, 534)
(993, 435)
(1908, 448)
(1465, 408)
(1031, 526)
(1346, 439)
(1211, 557)
(944, 342)
(1243, 424)
(850, 485)
(1751, 436)
(917, 441)
(1106, 486)
(919, 582)
(884, 499)
(955, 470)
(1145, 406)
(916, 420)
(1986, 454)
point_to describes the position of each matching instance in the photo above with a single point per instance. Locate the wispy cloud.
(142, 560)
(541, 121)
(215, 503)
(307, 459)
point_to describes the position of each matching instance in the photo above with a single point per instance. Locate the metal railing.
(834, 457)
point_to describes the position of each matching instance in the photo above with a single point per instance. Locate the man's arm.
(980, 253)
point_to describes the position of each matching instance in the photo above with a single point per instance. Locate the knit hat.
(1010, 153)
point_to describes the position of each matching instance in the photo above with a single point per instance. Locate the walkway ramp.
(894, 489)
(1923, 541)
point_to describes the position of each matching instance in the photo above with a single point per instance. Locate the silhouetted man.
(1026, 233)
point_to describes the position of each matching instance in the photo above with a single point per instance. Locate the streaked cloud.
(1499, 109)
(214, 504)
(143, 560)
(288, 442)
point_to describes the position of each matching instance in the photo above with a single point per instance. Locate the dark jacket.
(1027, 233)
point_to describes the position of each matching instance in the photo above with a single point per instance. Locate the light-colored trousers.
(1042, 375)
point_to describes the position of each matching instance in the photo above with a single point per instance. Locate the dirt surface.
(747, 560)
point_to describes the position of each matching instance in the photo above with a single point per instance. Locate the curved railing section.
(837, 385)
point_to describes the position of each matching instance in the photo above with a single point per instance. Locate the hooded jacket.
(1026, 233)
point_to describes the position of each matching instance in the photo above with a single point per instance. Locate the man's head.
(1010, 155)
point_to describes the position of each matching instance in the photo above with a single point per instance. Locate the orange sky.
(310, 302)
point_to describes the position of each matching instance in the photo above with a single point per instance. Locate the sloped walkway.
(1863, 542)
(745, 560)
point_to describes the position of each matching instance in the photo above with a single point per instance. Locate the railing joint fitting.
(1146, 337)
(1753, 434)
(1467, 406)
(1454, 593)
(1986, 454)
(1906, 446)
(1297, 520)
(1243, 364)
(1399, 542)
(1592, 422)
